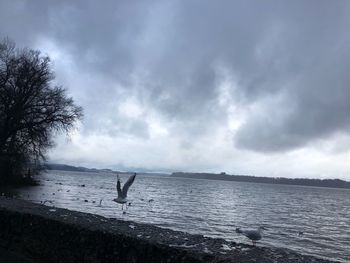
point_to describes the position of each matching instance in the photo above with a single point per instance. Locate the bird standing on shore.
(253, 235)
(122, 193)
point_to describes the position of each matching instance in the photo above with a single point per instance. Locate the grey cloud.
(299, 49)
(317, 96)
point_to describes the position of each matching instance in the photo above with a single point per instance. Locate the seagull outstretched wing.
(119, 189)
(128, 184)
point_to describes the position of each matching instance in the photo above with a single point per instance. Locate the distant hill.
(65, 167)
(335, 183)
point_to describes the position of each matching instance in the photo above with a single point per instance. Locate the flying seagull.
(122, 193)
(253, 235)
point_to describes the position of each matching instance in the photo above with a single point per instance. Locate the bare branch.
(31, 108)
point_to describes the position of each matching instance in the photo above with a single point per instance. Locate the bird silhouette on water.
(253, 235)
(122, 192)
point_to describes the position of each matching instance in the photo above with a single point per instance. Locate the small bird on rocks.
(253, 235)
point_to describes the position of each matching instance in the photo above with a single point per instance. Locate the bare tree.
(31, 109)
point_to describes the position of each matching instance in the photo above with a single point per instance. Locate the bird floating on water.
(253, 235)
(122, 193)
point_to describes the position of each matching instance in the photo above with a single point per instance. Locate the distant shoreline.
(330, 183)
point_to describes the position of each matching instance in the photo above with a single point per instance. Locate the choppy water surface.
(213, 208)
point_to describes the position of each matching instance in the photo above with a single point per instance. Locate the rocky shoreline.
(47, 234)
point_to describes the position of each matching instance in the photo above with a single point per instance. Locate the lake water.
(213, 208)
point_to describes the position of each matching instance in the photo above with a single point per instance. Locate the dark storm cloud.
(290, 61)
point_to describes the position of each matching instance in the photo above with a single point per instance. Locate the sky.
(243, 87)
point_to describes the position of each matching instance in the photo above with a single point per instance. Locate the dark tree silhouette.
(31, 109)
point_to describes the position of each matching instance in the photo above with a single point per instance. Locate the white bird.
(122, 193)
(253, 235)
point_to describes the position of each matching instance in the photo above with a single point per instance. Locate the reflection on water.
(212, 208)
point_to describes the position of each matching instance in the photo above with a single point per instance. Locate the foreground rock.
(46, 234)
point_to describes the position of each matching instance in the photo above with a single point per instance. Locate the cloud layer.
(196, 84)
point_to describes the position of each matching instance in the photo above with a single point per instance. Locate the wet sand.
(40, 232)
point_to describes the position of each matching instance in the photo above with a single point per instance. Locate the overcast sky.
(247, 87)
